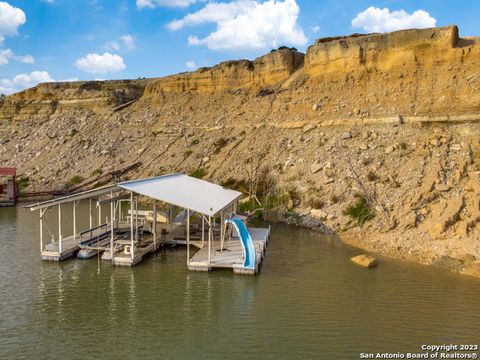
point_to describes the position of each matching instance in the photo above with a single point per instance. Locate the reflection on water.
(309, 301)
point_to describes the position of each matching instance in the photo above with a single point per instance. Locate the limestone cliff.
(45, 99)
(264, 71)
(393, 117)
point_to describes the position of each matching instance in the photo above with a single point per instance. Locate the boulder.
(347, 135)
(442, 187)
(318, 214)
(389, 149)
(455, 147)
(314, 168)
(308, 128)
(366, 261)
(363, 146)
(468, 258)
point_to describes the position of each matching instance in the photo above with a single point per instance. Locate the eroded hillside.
(392, 118)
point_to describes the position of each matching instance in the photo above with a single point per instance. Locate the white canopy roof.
(184, 191)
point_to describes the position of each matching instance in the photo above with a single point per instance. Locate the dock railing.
(90, 232)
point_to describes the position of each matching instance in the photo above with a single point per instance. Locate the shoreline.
(390, 244)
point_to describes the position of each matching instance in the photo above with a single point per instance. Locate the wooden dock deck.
(232, 255)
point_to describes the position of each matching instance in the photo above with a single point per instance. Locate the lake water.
(309, 301)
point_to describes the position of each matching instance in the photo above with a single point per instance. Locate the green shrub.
(194, 142)
(187, 153)
(334, 199)
(248, 206)
(74, 180)
(403, 146)
(199, 173)
(371, 176)
(360, 211)
(22, 183)
(220, 142)
(97, 172)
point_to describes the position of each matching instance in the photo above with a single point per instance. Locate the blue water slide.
(247, 242)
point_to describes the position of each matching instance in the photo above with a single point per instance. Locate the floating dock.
(232, 254)
(8, 186)
(195, 213)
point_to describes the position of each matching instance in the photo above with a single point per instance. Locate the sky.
(68, 40)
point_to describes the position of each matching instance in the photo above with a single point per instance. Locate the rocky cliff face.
(393, 117)
(382, 52)
(47, 99)
(263, 72)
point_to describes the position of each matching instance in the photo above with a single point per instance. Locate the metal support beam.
(131, 224)
(75, 203)
(203, 229)
(154, 225)
(90, 212)
(136, 218)
(112, 225)
(60, 229)
(188, 237)
(222, 230)
(42, 212)
(210, 233)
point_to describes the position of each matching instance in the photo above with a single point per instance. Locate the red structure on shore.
(8, 187)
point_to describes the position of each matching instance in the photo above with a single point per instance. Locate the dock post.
(131, 224)
(209, 240)
(112, 223)
(154, 225)
(203, 229)
(60, 230)
(90, 212)
(221, 230)
(41, 229)
(74, 220)
(188, 237)
(136, 218)
(99, 213)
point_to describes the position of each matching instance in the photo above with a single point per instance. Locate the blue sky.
(44, 40)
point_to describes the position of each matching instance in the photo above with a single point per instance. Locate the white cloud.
(191, 65)
(128, 41)
(7, 54)
(247, 24)
(27, 59)
(375, 19)
(151, 4)
(23, 81)
(101, 64)
(315, 29)
(112, 45)
(11, 18)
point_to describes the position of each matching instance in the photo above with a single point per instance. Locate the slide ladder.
(247, 242)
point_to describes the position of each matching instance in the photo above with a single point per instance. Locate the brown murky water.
(309, 301)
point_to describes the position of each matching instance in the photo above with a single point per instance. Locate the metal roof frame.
(75, 197)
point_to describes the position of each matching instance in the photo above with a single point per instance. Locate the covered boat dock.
(185, 211)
